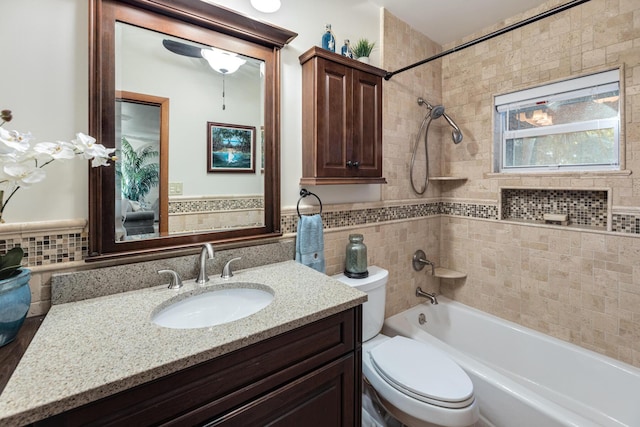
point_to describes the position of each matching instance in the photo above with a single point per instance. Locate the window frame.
(561, 90)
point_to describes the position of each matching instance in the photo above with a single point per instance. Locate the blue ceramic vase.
(15, 298)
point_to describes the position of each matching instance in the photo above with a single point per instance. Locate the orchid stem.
(4, 204)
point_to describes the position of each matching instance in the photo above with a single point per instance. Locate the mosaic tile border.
(584, 207)
(209, 205)
(72, 244)
(355, 217)
(625, 223)
(50, 248)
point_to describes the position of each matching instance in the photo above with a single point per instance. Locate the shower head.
(436, 112)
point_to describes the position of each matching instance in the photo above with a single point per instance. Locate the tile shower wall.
(403, 45)
(577, 286)
(581, 286)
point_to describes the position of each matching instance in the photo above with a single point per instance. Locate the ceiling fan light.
(222, 61)
(266, 6)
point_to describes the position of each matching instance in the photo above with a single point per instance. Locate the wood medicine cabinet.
(341, 120)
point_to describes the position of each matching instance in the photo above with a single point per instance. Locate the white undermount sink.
(213, 306)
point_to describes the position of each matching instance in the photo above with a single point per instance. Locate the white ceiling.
(444, 21)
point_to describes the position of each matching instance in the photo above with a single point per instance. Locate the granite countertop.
(90, 349)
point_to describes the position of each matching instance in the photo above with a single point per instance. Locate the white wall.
(45, 82)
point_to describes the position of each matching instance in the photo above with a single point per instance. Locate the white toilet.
(415, 382)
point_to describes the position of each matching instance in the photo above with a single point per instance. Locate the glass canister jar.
(355, 263)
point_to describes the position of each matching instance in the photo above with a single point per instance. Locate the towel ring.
(304, 193)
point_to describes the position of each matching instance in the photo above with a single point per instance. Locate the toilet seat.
(422, 372)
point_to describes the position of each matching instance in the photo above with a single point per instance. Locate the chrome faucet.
(432, 297)
(175, 281)
(205, 254)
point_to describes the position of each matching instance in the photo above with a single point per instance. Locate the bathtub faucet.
(420, 260)
(433, 266)
(432, 297)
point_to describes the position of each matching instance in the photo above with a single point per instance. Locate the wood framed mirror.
(160, 71)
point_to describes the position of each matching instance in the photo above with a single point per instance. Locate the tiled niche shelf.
(447, 178)
(585, 208)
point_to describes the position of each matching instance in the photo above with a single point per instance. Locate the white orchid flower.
(57, 150)
(85, 144)
(19, 161)
(13, 141)
(100, 161)
(24, 174)
(98, 153)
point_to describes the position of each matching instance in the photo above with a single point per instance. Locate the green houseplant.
(137, 174)
(362, 49)
(10, 262)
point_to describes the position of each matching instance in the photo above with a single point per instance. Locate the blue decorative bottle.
(346, 49)
(328, 40)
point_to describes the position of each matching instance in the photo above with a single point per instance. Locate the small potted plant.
(362, 49)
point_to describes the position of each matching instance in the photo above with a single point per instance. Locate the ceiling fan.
(222, 61)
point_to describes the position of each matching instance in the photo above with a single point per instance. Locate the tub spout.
(432, 297)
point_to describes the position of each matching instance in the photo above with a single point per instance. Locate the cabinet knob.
(351, 164)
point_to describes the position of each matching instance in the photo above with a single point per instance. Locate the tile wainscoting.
(55, 242)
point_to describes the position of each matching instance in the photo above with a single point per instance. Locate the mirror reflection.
(190, 136)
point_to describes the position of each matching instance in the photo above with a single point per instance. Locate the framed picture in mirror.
(230, 148)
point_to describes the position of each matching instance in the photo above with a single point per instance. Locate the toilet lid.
(423, 372)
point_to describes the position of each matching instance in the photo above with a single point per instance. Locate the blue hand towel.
(310, 242)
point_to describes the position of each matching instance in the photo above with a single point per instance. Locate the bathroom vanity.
(103, 362)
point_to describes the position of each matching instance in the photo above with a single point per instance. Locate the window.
(569, 125)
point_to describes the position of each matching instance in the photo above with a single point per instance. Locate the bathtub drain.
(422, 319)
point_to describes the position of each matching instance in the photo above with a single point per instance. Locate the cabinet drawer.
(324, 397)
(214, 387)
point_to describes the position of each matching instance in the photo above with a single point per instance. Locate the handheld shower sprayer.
(456, 133)
(435, 112)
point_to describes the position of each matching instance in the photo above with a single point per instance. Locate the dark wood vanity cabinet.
(341, 120)
(310, 376)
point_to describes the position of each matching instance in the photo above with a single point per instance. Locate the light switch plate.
(175, 188)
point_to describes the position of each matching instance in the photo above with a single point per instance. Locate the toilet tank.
(372, 310)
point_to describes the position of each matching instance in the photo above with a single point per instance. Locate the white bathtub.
(523, 378)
